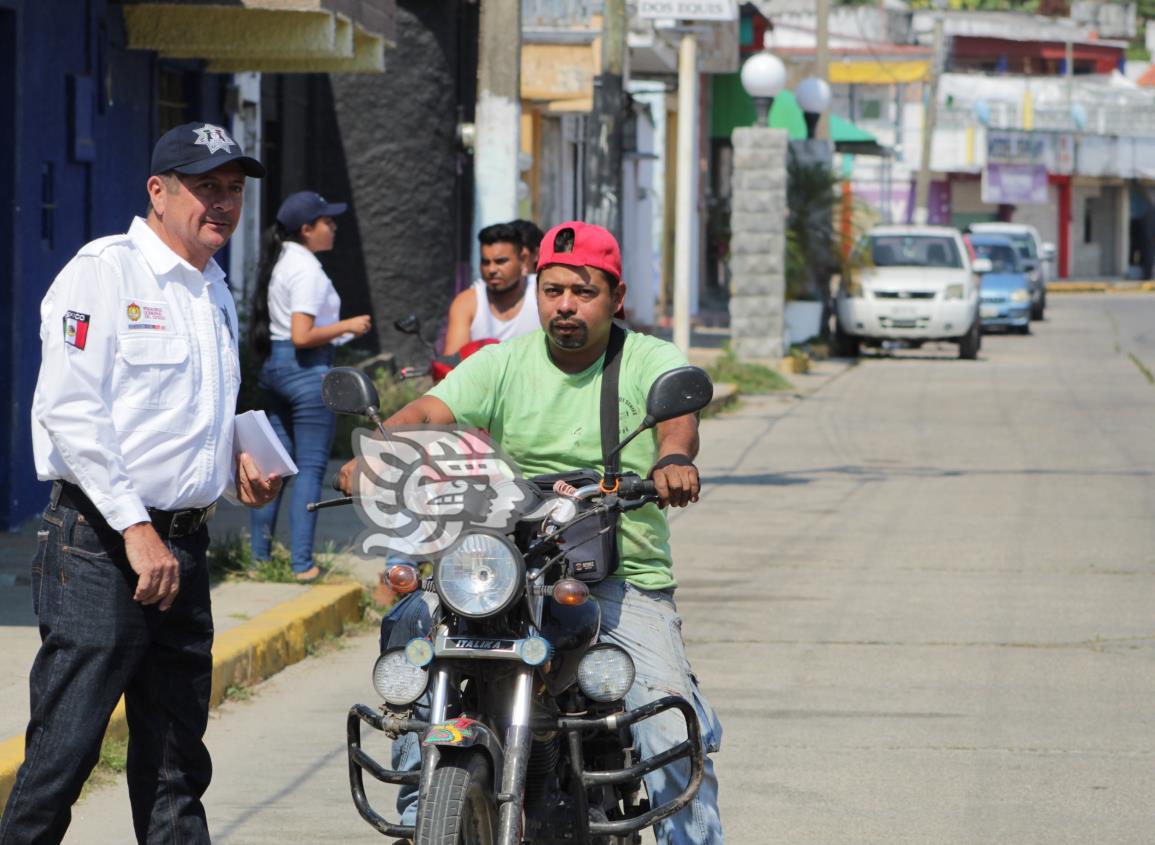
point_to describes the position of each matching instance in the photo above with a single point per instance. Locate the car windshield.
(1025, 244)
(1002, 256)
(913, 251)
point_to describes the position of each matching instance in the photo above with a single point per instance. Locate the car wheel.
(971, 342)
(845, 345)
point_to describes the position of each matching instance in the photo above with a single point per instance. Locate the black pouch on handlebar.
(591, 544)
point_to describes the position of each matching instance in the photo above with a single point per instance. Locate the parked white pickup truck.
(910, 283)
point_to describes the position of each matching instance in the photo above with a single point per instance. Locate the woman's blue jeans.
(291, 380)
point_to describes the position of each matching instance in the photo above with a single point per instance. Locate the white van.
(910, 283)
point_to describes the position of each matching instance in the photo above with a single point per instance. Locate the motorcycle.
(526, 738)
(439, 365)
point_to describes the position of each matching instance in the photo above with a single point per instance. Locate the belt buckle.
(176, 526)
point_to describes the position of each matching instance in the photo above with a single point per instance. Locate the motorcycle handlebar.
(335, 482)
(633, 487)
(329, 503)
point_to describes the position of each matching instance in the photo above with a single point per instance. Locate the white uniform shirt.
(526, 320)
(138, 378)
(299, 284)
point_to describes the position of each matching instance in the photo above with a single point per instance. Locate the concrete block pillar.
(758, 243)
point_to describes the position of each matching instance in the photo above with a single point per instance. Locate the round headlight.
(397, 680)
(481, 576)
(606, 673)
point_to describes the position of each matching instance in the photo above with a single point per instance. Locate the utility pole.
(822, 59)
(922, 186)
(687, 192)
(604, 128)
(498, 119)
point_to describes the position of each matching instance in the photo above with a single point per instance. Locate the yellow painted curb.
(243, 655)
(280, 636)
(1101, 287)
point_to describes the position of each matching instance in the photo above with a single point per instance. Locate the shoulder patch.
(75, 329)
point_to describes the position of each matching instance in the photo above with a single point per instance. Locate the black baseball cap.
(305, 207)
(195, 148)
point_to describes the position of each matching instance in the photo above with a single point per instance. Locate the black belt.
(170, 524)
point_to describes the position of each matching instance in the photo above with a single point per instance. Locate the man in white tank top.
(502, 304)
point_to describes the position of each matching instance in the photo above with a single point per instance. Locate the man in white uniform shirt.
(132, 420)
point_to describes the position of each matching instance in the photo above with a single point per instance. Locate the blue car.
(1005, 296)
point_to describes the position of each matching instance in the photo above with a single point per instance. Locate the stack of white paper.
(253, 435)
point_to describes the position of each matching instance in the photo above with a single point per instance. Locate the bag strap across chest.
(610, 420)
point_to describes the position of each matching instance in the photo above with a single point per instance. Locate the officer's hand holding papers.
(262, 461)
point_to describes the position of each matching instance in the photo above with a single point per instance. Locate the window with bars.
(172, 99)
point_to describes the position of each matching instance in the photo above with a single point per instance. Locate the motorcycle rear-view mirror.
(677, 393)
(674, 393)
(349, 391)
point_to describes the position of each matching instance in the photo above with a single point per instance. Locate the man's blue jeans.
(291, 379)
(97, 643)
(647, 625)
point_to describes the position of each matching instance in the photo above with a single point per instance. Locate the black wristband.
(675, 459)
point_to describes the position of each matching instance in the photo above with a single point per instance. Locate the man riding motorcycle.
(539, 397)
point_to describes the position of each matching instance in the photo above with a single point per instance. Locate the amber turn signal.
(403, 578)
(570, 591)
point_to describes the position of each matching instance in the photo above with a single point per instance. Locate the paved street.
(921, 599)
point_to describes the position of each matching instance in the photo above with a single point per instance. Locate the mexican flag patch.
(75, 329)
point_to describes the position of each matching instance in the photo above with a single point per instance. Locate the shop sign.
(1014, 184)
(691, 10)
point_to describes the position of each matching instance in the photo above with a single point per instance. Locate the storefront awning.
(271, 36)
(733, 108)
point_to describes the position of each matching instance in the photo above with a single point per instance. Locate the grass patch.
(1142, 368)
(232, 559)
(237, 692)
(749, 378)
(113, 760)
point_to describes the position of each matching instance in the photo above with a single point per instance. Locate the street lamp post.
(758, 220)
(813, 96)
(763, 77)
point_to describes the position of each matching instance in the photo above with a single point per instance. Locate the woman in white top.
(295, 327)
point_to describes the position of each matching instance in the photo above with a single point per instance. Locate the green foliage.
(1138, 52)
(232, 558)
(237, 692)
(114, 755)
(811, 253)
(749, 378)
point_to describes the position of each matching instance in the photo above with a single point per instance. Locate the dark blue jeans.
(291, 379)
(97, 644)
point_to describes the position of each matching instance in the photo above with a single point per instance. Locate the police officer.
(132, 421)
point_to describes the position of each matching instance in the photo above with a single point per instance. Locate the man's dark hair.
(531, 235)
(501, 233)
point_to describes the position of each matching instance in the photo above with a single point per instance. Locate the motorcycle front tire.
(460, 808)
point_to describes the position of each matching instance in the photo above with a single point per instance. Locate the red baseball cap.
(593, 246)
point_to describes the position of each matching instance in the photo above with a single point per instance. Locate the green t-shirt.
(550, 421)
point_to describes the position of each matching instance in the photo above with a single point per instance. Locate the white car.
(1037, 257)
(914, 284)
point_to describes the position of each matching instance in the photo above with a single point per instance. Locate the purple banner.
(1015, 184)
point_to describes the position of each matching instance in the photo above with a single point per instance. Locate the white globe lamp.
(813, 96)
(763, 78)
